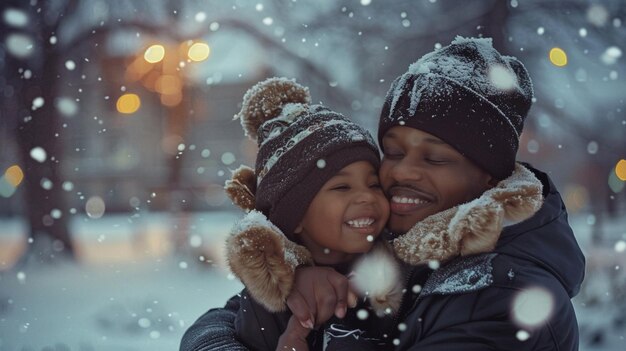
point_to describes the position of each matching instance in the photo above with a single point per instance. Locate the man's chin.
(400, 225)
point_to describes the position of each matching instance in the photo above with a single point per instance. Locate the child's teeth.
(361, 222)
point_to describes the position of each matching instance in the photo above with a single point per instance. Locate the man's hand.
(294, 337)
(318, 294)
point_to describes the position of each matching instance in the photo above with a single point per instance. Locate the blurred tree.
(32, 74)
(37, 38)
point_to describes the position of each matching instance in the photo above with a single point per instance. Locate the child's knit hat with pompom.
(301, 146)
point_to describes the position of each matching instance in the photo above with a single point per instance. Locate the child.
(315, 199)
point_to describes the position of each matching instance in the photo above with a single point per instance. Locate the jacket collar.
(474, 227)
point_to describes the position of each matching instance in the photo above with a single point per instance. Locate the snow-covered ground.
(131, 289)
(130, 306)
(145, 297)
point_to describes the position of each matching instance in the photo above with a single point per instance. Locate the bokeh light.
(620, 246)
(95, 207)
(70, 65)
(615, 184)
(19, 45)
(38, 102)
(522, 335)
(137, 69)
(598, 15)
(532, 307)
(376, 275)
(128, 103)
(200, 17)
(14, 175)
(46, 183)
(611, 55)
(172, 99)
(66, 106)
(38, 154)
(154, 53)
(501, 77)
(228, 158)
(168, 84)
(6, 189)
(592, 148)
(558, 57)
(362, 314)
(15, 17)
(576, 197)
(198, 52)
(620, 170)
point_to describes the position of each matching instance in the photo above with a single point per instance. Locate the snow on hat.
(468, 95)
(301, 146)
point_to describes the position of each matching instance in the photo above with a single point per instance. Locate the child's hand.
(318, 294)
(294, 337)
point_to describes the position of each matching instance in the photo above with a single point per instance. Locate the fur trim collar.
(473, 227)
(262, 257)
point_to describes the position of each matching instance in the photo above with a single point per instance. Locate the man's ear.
(488, 181)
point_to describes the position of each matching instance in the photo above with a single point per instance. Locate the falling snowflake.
(38, 154)
(532, 307)
(38, 102)
(95, 207)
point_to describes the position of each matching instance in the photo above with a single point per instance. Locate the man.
(494, 261)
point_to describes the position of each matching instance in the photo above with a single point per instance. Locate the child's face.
(346, 215)
(422, 175)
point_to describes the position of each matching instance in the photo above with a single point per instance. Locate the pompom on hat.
(266, 100)
(468, 95)
(301, 146)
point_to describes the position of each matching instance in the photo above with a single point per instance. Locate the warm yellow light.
(14, 175)
(128, 103)
(172, 100)
(558, 57)
(150, 79)
(154, 53)
(620, 170)
(137, 69)
(576, 197)
(168, 84)
(198, 52)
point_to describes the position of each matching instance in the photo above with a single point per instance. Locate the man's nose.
(406, 170)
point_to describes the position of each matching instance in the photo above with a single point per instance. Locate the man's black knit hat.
(468, 95)
(301, 146)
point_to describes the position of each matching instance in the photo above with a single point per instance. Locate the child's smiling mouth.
(361, 222)
(362, 225)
